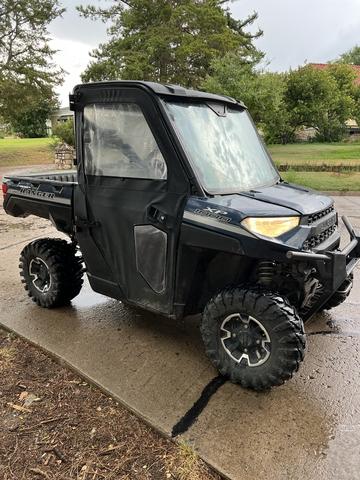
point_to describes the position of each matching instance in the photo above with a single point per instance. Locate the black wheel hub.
(245, 339)
(39, 272)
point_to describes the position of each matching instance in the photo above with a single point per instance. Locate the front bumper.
(333, 266)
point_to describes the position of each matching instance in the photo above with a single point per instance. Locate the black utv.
(177, 207)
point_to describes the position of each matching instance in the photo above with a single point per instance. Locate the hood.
(287, 196)
(282, 200)
(226, 212)
(301, 199)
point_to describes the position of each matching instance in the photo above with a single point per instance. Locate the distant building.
(61, 115)
(324, 66)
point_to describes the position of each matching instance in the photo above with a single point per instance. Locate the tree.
(351, 57)
(357, 105)
(262, 92)
(276, 121)
(31, 123)
(230, 76)
(27, 74)
(322, 99)
(169, 41)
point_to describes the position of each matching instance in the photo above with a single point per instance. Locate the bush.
(64, 131)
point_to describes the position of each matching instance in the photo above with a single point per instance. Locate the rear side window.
(118, 142)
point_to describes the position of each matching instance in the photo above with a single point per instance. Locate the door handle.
(156, 215)
(81, 223)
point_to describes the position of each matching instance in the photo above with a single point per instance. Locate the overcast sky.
(294, 32)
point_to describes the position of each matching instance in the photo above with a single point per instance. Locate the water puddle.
(88, 298)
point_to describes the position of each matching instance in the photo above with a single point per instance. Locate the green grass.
(325, 181)
(319, 153)
(25, 151)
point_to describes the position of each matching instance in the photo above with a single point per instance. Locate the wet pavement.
(308, 428)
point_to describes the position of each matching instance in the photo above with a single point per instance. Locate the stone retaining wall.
(64, 156)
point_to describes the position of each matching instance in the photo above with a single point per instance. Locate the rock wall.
(64, 157)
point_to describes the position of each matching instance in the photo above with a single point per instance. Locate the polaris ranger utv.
(177, 207)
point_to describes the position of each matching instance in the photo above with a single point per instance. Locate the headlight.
(270, 226)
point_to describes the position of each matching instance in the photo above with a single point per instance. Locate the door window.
(118, 142)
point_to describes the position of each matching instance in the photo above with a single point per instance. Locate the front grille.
(316, 240)
(316, 216)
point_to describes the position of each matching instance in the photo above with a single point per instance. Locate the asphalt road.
(308, 428)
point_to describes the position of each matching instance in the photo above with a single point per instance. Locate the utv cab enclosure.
(177, 207)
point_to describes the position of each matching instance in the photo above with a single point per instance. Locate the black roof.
(163, 90)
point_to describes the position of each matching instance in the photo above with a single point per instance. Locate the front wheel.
(253, 337)
(51, 271)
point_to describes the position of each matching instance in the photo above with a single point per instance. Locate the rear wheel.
(253, 337)
(51, 271)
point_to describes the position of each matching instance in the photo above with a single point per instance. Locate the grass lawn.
(36, 151)
(325, 180)
(320, 153)
(25, 151)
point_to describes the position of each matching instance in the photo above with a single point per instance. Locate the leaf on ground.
(19, 408)
(23, 395)
(39, 472)
(30, 399)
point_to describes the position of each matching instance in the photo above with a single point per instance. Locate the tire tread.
(65, 267)
(289, 329)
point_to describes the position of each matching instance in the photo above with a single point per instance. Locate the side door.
(130, 199)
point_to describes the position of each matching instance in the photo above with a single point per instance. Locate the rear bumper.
(333, 266)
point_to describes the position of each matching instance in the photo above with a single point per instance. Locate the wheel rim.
(40, 274)
(245, 339)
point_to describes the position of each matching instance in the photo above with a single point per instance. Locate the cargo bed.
(47, 195)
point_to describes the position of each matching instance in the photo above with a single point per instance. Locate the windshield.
(223, 147)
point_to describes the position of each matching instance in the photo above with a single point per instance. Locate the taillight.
(5, 188)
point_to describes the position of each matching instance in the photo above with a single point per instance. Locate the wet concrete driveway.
(306, 429)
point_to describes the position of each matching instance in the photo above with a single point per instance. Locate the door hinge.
(73, 99)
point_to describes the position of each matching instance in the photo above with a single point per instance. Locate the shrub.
(64, 131)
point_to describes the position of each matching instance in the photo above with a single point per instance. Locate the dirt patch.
(53, 425)
(6, 226)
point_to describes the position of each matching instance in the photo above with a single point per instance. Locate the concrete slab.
(14, 231)
(155, 366)
(309, 428)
